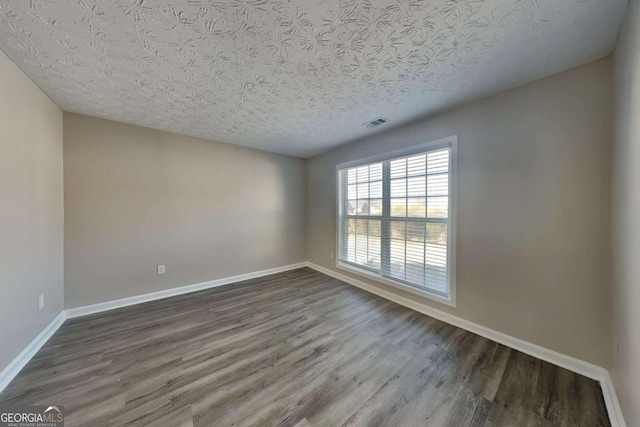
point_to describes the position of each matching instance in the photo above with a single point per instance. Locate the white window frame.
(448, 142)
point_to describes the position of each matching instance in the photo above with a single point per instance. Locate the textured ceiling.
(293, 76)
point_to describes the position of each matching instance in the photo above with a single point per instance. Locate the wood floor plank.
(294, 349)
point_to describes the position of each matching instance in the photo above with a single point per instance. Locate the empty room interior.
(320, 213)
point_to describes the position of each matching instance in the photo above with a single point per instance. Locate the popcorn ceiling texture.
(294, 77)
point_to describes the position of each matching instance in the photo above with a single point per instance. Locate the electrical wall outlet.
(41, 301)
(161, 269)
(331, 255)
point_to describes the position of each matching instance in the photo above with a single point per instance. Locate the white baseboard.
(575, 365)
(567, 362)
(16, 365)
(611, 401)
(570, 363)
(23, 358)
(139, 299)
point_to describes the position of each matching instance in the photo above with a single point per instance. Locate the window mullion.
(385, 250)
(342, 211)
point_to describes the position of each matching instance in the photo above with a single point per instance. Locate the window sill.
(450, 301)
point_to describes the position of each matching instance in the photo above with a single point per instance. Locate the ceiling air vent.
(376, 122)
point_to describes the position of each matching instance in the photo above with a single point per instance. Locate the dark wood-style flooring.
(293, 349)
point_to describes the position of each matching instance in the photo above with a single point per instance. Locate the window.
(395, 218)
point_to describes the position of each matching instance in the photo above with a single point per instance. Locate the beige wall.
(626, 217)
(136, 198)
(31, 216)
(533, 208)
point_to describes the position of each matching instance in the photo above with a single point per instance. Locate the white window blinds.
(394, 219)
